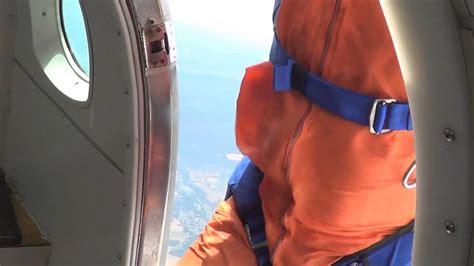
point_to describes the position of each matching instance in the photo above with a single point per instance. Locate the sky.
(250, 20)
(229, 36)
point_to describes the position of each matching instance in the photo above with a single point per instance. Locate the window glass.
(217, 40)
(75, 33)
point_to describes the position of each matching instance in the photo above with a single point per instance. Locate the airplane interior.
(88, 157)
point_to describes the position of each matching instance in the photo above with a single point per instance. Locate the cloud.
(234, 157)
(208, 182)
(176, 226)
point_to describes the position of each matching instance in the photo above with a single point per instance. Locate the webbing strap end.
(282, 77)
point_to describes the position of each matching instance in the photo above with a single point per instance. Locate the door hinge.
(159, 42)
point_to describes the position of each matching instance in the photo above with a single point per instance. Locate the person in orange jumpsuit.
(331, 187)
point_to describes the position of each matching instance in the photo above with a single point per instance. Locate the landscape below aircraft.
(88, 154)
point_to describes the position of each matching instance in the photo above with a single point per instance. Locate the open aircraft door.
(89, 155)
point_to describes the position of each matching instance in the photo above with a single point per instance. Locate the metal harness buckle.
(254, 245)
(406, 177)
(373, 113)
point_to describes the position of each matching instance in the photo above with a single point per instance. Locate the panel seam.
(74, 124)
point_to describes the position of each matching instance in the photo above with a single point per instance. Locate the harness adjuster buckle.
(373, 116)
(254, 245)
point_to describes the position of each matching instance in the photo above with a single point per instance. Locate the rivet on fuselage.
(450, 228)
(449, 134)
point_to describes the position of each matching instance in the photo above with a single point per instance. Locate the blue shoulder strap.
(276, 10)
(380, 115)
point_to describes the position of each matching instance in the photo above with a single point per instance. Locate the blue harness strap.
(380, 115)
(394, 250)
(243, 186)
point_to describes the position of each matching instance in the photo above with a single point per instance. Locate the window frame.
(67, 49)
(53, 54)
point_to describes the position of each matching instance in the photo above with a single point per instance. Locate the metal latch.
(160, 48)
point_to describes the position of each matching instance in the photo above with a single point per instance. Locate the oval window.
(75, 34)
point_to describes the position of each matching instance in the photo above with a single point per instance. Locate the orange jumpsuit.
(331, 188)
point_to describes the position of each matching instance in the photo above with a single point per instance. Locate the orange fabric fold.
(331, 188)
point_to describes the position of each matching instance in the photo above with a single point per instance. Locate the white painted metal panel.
(70, 188)
(7, 30)
(80, 167)
(428, 43)
(77, 166)
(110, 108)
(24, 256)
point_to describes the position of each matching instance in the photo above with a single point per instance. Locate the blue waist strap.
(380, 115)
(395, 250)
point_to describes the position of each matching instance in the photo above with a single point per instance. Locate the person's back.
(331, 188)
